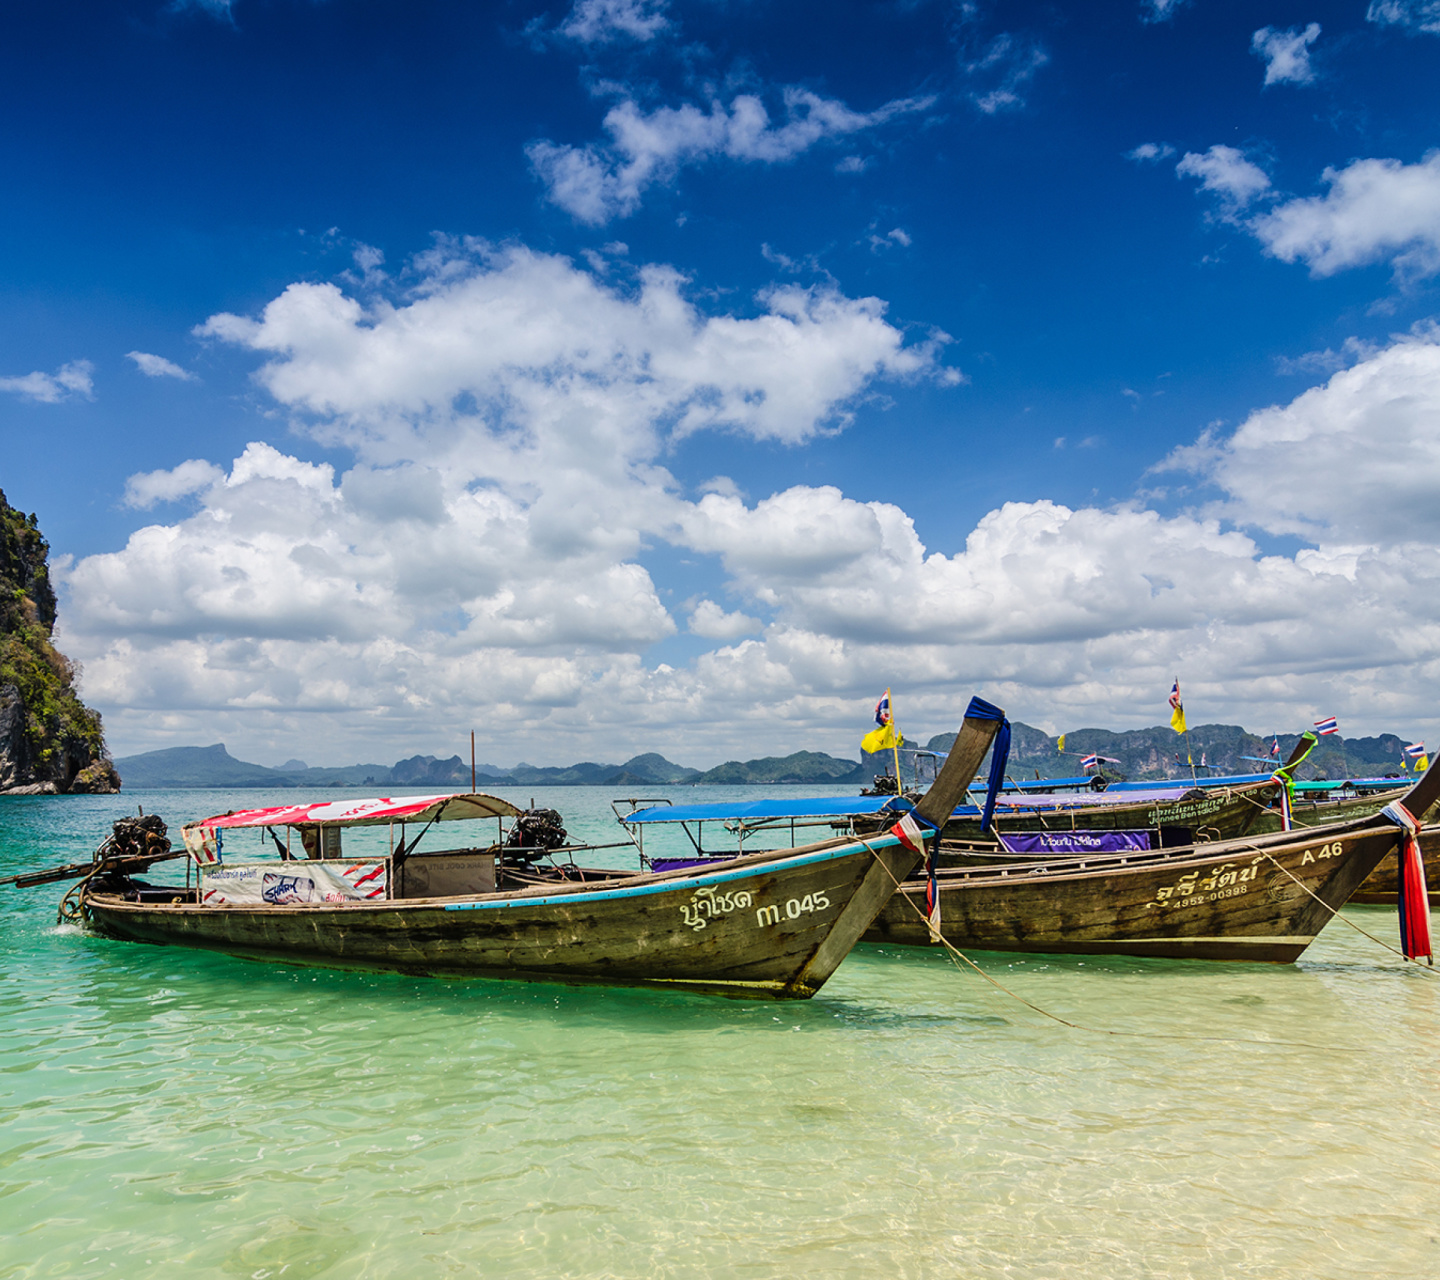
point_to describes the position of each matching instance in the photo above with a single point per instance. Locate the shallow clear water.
(167, 1112)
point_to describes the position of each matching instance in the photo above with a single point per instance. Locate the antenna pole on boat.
(895, 745)
(472, 762)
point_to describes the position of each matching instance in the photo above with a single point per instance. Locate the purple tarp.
(1075, 841)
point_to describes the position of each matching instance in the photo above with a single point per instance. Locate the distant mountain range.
(216, 767)
(1161, 753)
(1141, 753)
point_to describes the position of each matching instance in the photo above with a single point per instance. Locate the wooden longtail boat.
(772, 923)
(1176, 815)
(1260, 898)
(1383, 884)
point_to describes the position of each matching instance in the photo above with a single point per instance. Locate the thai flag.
(911, 834)
(1327, 725)
(1415, 750)
(1175, 696)
(1090, 762)
(1275, 748)
(882, 710)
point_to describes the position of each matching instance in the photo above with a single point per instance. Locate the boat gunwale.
(1080, 866)
(638, 885)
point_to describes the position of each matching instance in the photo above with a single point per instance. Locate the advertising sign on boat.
(279, 884)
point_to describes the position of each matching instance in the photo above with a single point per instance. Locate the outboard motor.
(142, 837)
(536, 832)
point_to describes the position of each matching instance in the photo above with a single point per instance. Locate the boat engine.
(142, 837)
(536, 833)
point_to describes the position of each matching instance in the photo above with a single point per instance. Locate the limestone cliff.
(49, 740)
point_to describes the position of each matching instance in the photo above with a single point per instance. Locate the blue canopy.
(1359, 784)
(764, 810)
(1230, 780)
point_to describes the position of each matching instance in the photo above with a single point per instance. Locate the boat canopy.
(757, 811)
(1226, 780)
(368, 813)
(778, 810)
(1358, 784)
(1108, 798)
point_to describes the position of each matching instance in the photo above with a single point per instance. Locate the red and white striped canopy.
(368, 813)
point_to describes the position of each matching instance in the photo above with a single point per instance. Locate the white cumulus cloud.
(159, 367)
(598, 182)
(485, 561)
(598, 21)
(1225, 171)
(1286, 53)
(1373, 424)
(1374, 210)
(146, 488)
(708, 619)
(67, 382)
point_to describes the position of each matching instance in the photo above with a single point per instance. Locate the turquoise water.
(166, 1112)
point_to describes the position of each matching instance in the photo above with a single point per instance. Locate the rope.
(1335, 914)
(955, 953)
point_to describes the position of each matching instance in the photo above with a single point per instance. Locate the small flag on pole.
(885, 737)
(1177, 708)
(1094, 762)
(1416, 752)
(1327, 725)
(1060, 744)
(1275, 747)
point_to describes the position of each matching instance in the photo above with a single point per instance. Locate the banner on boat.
(277, 884)
(1075, 841)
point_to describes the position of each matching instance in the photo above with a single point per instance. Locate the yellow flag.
(1422, 764)
(882, 739)
(1060, 743)
(1177, 709)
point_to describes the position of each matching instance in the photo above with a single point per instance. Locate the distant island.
(1141, 754)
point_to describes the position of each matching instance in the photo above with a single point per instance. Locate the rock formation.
(50, 742)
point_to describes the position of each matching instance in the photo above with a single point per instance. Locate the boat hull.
(1382, 888)
(762, 926)
(1218, 902)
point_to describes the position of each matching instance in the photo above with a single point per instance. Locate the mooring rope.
(955, 953)
(1335, 914)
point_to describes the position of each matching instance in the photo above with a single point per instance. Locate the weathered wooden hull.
(1223, 814)
(1382, 886)
(1230, 901)
(764, 925)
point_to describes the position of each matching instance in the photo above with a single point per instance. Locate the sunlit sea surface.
(166, 1112)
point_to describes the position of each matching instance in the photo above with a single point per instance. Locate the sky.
(677, 375)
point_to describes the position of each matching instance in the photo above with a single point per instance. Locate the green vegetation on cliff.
(47, 735)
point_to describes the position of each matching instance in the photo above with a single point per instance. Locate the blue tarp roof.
(1229, 780)
(760, 810)
(1366, 784)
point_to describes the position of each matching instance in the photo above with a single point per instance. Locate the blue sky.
(684, 372)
